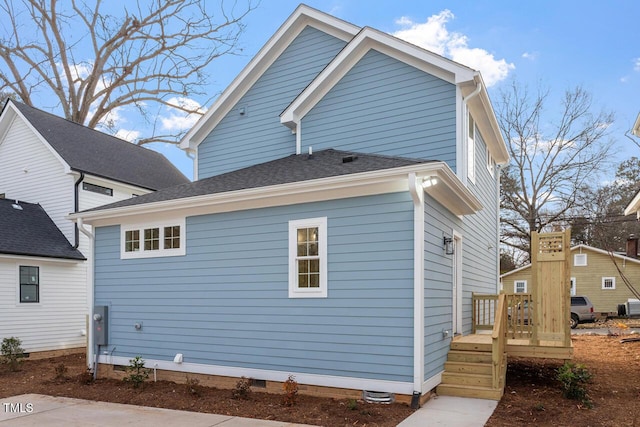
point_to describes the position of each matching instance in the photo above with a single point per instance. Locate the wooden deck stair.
(468, 371)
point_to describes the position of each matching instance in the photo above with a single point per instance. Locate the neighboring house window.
(97, 189)
(608, 283)
(471, 149)
(520, 286)
(308, 258)
(153, 240)
(580, 260)
(491, 163)
(573, 286)
(29, 284)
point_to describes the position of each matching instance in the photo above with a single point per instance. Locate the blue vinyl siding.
(384, 106)
(258, 136)
(226, 302)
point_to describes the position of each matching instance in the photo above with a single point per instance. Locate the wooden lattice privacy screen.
(550, 290)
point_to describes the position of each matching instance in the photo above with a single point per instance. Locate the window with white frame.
(153, 240)
(491, 163)
(573, 286)
(580, 260)
(29, 284)
(520, 286)
(608, 283)
(308, 258)
(471, 149)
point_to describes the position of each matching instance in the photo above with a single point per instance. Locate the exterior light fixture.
(448, 245)
(429, 181)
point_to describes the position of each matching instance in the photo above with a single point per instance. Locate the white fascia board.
(636, 127)
(366, 40)
(603, 252)
(65, 165)
(302, 17)
(27, 258)
(633, 206)
(485, 118)
(453, 195)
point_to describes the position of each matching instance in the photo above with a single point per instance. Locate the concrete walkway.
(39, 410)
(452, 411)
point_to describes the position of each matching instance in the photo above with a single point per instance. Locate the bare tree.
(93, 57)
(552, 162)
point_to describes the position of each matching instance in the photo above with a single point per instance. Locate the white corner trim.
(269, 375)
(302, 17)
(432, 382)
(417, 195)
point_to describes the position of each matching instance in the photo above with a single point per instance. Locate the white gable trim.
(302, 17)
(10, 113)
(636, 126)
(448, 191)
(366, 40)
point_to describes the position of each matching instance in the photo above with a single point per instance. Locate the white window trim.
(613, 282)
(294, 290)
(515, 286)
(491, 163)
(471, 149)
(576, 257)
(153, 253)
(573, 286)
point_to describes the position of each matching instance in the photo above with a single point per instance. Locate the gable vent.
(350, 158)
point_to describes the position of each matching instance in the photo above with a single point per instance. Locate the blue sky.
(559, 44)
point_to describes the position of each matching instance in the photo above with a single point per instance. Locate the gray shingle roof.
(29, 231)
(87, 150)
(290, 169)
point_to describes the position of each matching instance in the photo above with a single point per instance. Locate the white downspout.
(89, 234)
(417, 194)
(298, 132)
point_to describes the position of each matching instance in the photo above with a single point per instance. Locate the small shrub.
(12, 352)
(61, 371)
(573, 378)
(193, 385)
(352, 404)
(290, 387)
(243, 389)
(137, 373)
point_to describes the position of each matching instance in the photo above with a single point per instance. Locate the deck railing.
(518, 318)
(499, 343)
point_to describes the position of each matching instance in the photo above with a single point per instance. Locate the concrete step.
(469, 391)
(466, 379)
(468, 368)
(469, 356)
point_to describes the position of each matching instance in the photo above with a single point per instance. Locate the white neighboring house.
(59, 167)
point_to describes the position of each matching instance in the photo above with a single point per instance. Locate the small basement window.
(153, 240)
(608, 283)
(520, 286)
(94, 188)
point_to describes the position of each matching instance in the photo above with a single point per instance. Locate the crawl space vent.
(378, 397)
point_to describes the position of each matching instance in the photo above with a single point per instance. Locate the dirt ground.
(532, 395)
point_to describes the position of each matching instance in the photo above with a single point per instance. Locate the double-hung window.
(29, 284)
(520, 286)
(308, 258)
(153, 240)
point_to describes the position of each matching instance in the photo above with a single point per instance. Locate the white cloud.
(178, 120)
(128, 135)
(434, 36)
(532, 56)
(636, 64)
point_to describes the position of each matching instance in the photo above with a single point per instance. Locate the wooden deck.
(520, 347)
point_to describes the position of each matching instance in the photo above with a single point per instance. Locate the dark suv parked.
(581, 311)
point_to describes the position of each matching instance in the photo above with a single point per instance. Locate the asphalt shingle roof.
(290, 169)
(87, 150)
(28, 230)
